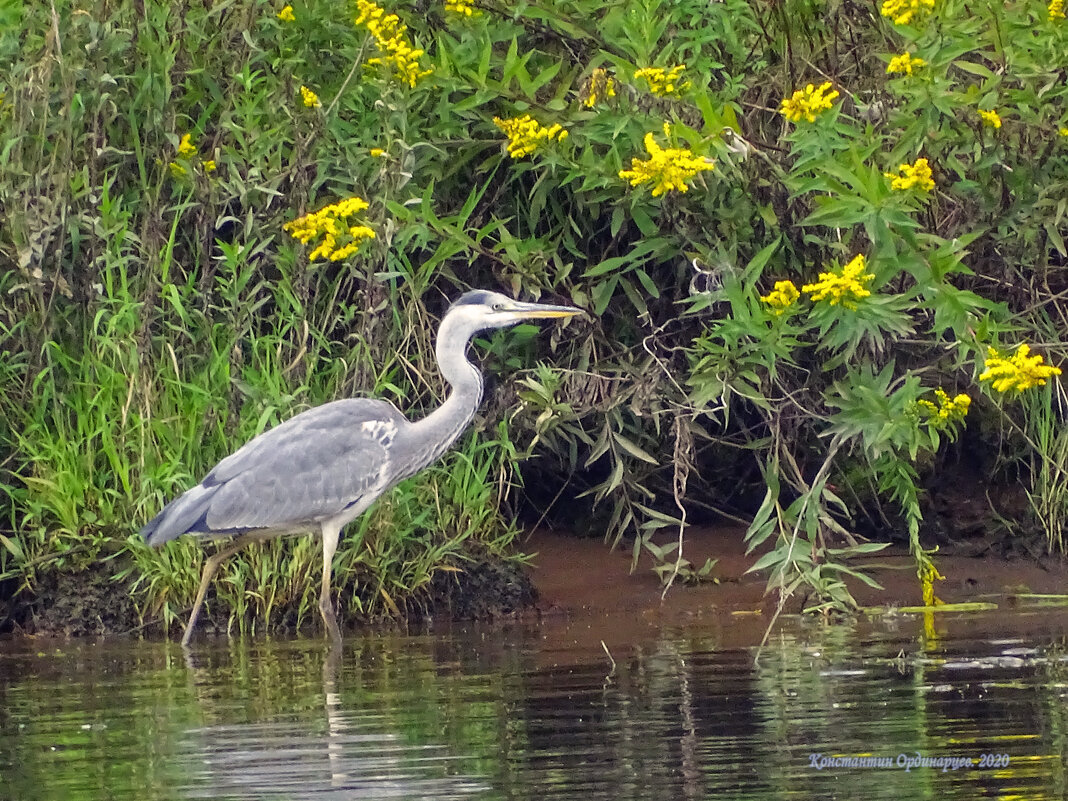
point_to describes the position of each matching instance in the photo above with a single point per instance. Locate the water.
(529, 713)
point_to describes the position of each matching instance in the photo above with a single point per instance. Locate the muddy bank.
(87, 603)
(574, 588)
(93, 603)
(581, 574)
(588, 595)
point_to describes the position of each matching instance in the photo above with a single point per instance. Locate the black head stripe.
(476, 297)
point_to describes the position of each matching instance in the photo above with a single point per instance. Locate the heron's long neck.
(442, 426)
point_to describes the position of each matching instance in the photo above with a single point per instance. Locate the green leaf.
(13, 548)
(1054, 234)
(602, 294)
(542, 78)
(776, 557)
(973, 69)
(647, 283)
(644, 221)
(756, 264)
(606, 266)
(631, 448)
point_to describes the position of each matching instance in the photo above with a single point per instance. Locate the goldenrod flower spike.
(599, 86)
(808, 102)
(902, 12)
(186, 148)
(667, 168)
(845, 287)
(782, 298)
(948, 410)
(912, 175)
(991, 118)
(663, 82)
(1056, 10)
(309, 98)
(904, 64)
(286, 14)
(1017, 372)
(391, 40)
(340, 239)
(461, 8)
(525, 134)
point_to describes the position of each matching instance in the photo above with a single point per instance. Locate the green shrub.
(790, 294)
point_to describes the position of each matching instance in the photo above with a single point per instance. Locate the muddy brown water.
(603, 697)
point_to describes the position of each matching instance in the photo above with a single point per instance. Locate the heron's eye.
(498, 307)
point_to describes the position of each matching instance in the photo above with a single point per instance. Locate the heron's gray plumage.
(287, 479)
(326, 466)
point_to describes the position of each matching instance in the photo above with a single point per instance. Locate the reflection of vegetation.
(682, 717)
(872, 234)
(826, 694)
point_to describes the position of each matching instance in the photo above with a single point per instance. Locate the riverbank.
(583, 593)
(589, 595)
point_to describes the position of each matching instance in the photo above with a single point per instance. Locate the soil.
(77, 605)
(485, 590)
(580, 592)
(91, 603)
(590, 596)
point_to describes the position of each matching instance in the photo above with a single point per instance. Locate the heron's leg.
(331, 532)
(211, 564)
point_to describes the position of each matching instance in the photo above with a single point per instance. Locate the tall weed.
(155, 315)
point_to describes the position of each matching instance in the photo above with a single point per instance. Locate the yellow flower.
(208, 165)
(666, 168)
(309, 98)
(462, 8)
(359, 233)
(391, 41)
(990, 118)
(663, 82)
(948, 410)
(808, 102)
(1017, 372)
(377, 152)
(599, 86)
(1063, 131)
(525, 134)
(845, 287)
(286, 14)
(902, 11)
(904, 64)
(782, 298)
(1056, 10)
(910, 175)
(186, 148)
(340, 239)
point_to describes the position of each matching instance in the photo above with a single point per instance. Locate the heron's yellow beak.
(536, 310)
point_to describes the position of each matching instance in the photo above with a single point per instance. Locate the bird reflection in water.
(343, 755)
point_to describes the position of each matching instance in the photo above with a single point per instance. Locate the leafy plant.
(793, 229)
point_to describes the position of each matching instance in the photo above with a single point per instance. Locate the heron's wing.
(313, 466)
(350, 420)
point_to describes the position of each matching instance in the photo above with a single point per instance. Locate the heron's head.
(478, 310)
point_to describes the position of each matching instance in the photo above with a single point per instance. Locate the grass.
(154, 314)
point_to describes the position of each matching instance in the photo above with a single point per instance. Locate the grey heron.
(323, 468)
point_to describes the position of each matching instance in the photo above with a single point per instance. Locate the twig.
(610, 659)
